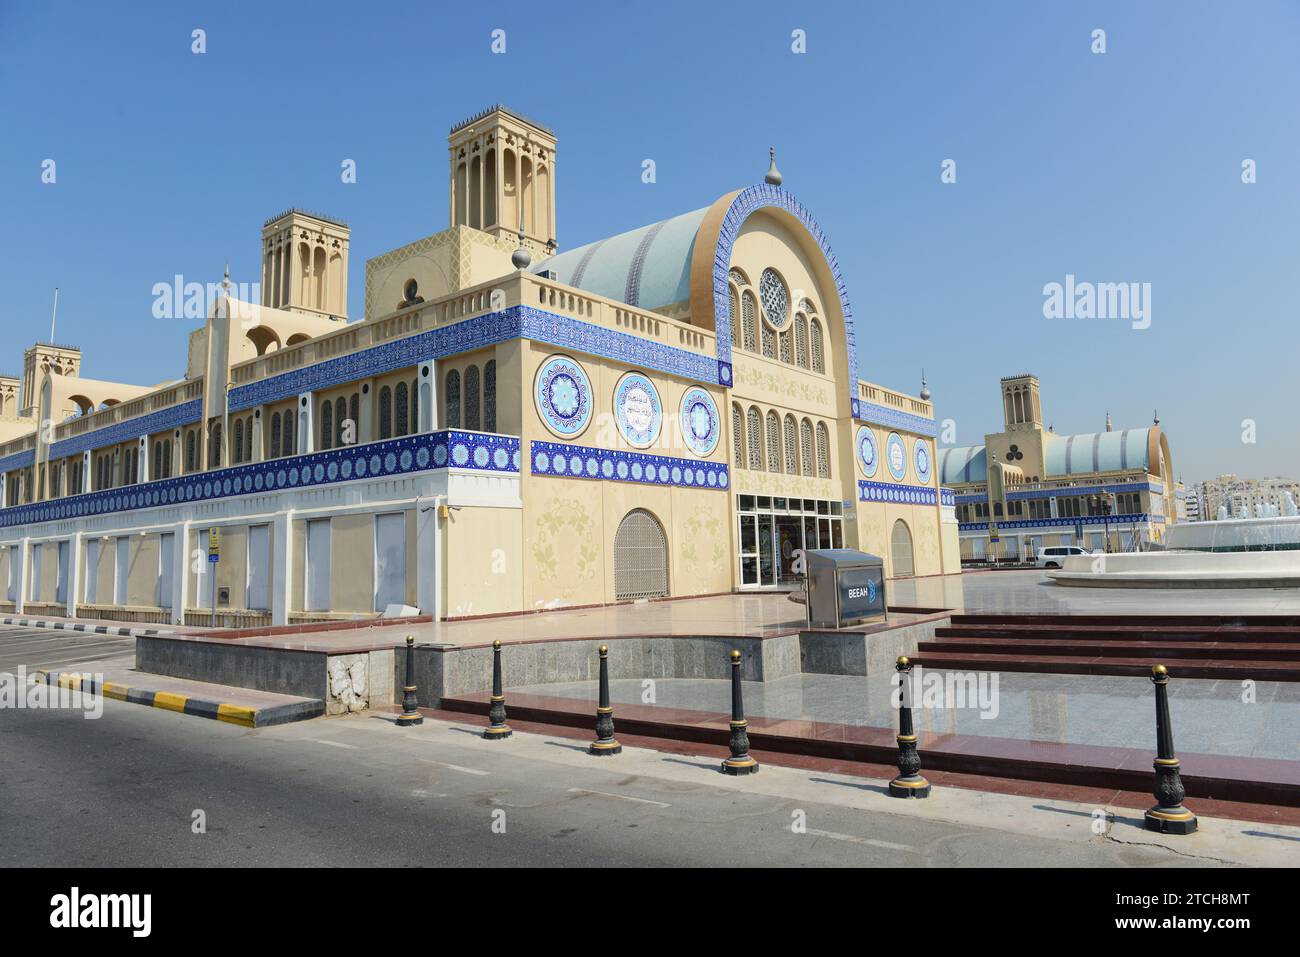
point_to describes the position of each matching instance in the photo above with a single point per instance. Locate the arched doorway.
(900, 550)
(640, 557)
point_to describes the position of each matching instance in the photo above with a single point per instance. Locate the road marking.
(621, 797)
(854, 839)
(454, 767)
(334, 744)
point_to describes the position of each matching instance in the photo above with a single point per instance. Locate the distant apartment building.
(1246, 495)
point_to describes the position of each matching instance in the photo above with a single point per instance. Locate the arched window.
(214, 446)
(754, 439)
(806, 446)
(157, 472)
(818, 353)
(738, 435)
(191, 451)
(415, 406)
(490, 396)
(402, 409)
(327, 424)
(801, 341)
(823, 451)
(747, 317)
(290, 434)
(900, 550)
(640, 557)
(471, 399)
(354, 413)
(453, 399)
(385, 413)
(340, 421)
(769, 342)
(167, 459)
(783, 339)
(791, 445)
(773, 442)
(275, 436)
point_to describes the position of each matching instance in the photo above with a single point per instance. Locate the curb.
(82, 626)
(237, 714)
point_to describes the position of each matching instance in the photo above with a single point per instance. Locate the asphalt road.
(124, 790)
(35, 648)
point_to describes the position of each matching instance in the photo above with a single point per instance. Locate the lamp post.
(1101, 503)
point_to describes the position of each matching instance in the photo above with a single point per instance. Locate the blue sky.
(1120, 167)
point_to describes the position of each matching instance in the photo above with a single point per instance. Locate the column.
(74, 574)
(281, 566)
(427, 376)
(365, 412)
(428, 587)
(24, 569)
(305, 434)
(180, 570)
(144, 458)
(258, 448)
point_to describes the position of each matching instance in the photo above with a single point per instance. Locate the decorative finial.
(225, 282)
(1155, 418)
(925, 389)
(1109, 427)
(773, 177)
(521, 257)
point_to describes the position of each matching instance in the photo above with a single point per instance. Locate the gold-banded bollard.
(410, 715)
(497, 729)
(1168, 816)
(605, 742)
(741, 761)
(909, 783)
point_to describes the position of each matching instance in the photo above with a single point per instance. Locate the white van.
(1054, 556)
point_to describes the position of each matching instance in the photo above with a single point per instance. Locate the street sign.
(214, 545)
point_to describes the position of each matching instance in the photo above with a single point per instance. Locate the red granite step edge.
(1137, 801)
(1214, 621)
(1219, 777)
(1246, 651)
(1116, 634)
(1099, 665)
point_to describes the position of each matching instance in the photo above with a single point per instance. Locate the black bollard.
(909, 783)
(409, 715)
(605, 742)
(1168, 816)
(497, 728)
(740, 762)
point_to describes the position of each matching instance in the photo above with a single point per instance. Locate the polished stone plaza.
(1209, 716)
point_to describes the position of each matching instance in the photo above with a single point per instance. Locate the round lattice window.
(776, 298)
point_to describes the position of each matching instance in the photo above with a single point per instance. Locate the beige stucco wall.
(352, 563)
(484, 568)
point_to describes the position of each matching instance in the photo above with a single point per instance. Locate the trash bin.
(844, 586)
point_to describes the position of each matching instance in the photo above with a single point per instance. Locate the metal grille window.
(452, 387)
(354, 413)
(900, 549)
(640, 558)
(290, 446)
(818, 355)
(191, 454)
(823, 451)
(754, 439)
(776, 300)
(340, 421)
(738, 435)
(769, 343)
(326, 425)
(747, 330)
(801, 341)
(490, 396)
(806, 446)
(385, 413)
(773, 442)
(784, 341)
(471, 399)
(402, 410)
(791, 446)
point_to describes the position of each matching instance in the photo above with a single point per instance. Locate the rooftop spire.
(521, 257)
(1109, 427)
(773, 177)
(925, 389)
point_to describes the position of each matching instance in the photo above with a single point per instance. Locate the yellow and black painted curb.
(238, 714)
(82, 626)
